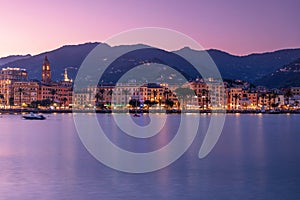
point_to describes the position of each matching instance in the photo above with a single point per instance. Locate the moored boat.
(136, 115)
(33, 116)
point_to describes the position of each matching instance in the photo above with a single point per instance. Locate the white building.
(124, 92)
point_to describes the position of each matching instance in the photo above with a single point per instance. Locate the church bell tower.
(46, 72)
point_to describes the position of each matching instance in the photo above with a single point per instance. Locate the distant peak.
(138, 45)
(218, 50)
(82, 44)
(12, 56)
(186, 48)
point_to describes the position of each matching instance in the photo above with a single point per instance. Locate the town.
(18, 92)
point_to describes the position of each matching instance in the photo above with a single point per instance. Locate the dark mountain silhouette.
(254, 66)
(69, 56)
(249, 68)
(149, 56)
(286, 76)
(9, 59)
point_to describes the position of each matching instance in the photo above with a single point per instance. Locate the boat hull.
(39, 117)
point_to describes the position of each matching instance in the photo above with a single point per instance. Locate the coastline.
(49, 111)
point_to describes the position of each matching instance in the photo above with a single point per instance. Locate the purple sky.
(236, 26)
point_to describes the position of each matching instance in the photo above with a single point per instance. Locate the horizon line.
(172, 50)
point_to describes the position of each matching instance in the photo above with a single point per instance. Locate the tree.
(101, 97)
(149, 103)
(236, 97)
(34, 104)
(64, 100)
(97, 96)
(205, 93)
(169, 103)
(273, 95)
(125, 92)
(90, 95)
(166, 94)
(2, 98)
(110, 92)
(288, 94)
(263, 96)
(269, 99)
(101, 91)
(11, 101)
(154, 95)
(46, 102)
(134, 103)
(297, 103)
(53, 92)
(274, 105)
(20, 91)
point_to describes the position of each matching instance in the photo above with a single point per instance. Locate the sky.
(239, 27)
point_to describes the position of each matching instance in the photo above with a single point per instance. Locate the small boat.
(32, 116)
(136, 115)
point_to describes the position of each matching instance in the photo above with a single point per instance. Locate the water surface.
(256, 157)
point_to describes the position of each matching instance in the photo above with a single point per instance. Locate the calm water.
(256, 157)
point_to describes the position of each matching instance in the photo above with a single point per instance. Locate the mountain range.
(284, 77)
(272, 69)
(12, 58)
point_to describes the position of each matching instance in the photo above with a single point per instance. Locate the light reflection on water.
(257, 157)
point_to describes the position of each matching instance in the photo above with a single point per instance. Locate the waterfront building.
(81, 100)
(94, 95)
(17, 90)
(217, 93)
(8, 76)
(234, 96)
(292, 97)
(253, 100)
(295, 91)
(211, 94)
(6, 92)
(201, 90)
(160, 94)
(13, 74)
(155, 92)
(124, 92)
(265, 100)
(279, 100)
(104, 94)
(25, 92)
(118, 96)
